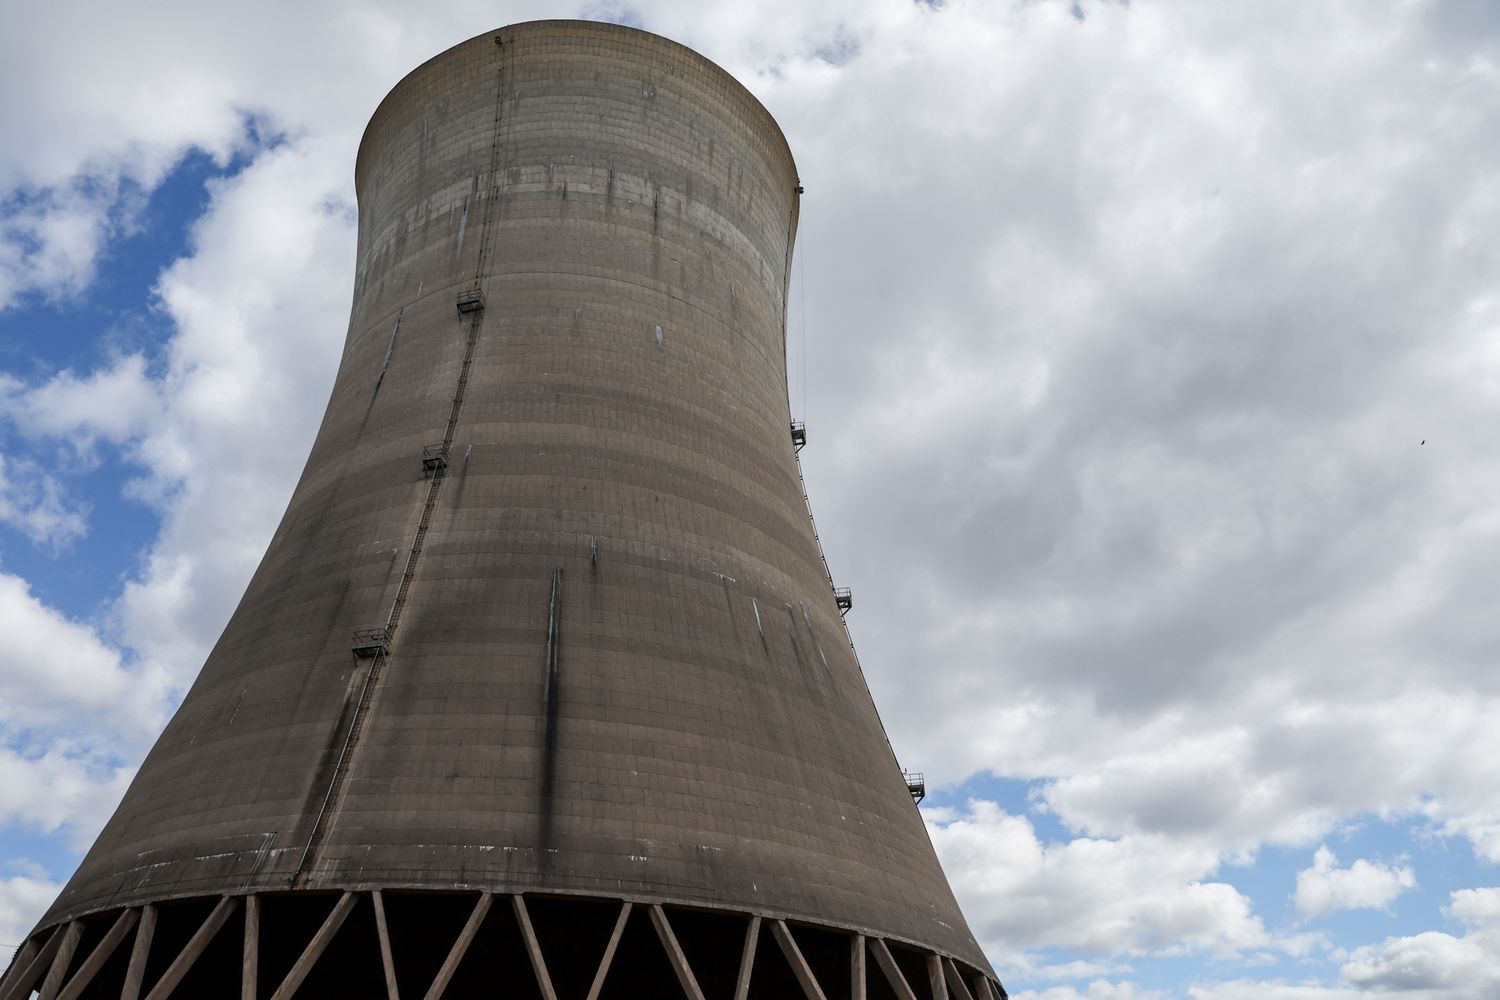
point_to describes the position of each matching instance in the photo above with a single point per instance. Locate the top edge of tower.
(772, 130)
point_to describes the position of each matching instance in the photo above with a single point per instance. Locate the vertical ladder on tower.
(374, 644)
(341, 765)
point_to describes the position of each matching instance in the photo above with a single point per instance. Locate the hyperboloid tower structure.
(541, 689)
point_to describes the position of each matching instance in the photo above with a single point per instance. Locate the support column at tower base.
(457, 944)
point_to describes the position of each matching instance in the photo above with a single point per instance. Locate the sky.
(1150, 357)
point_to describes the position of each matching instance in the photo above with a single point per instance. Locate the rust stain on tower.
(541, 688)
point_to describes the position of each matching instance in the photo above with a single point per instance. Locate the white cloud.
(1033, 972)
(1472, 816)
(1131, 896)
(1249, 989)
(50, 240)
(56, 671)
(1430, 964)
(67, 788)
(36, 504)
(22, 898)
(114, 403)
(1099, 989)
(1479, 908)
(1427, 966)
(73, 719)
(260, 310)
(1325, 887)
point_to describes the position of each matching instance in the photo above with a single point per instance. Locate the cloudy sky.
(1150, 355)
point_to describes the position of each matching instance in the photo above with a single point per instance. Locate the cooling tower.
(542, 688)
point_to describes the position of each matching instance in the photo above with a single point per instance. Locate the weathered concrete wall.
(681, 718)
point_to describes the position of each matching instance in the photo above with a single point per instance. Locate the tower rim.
(382, 109)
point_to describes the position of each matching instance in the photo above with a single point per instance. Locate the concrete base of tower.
(460, 944)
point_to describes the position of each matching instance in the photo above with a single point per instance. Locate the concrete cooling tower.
(542, 688)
